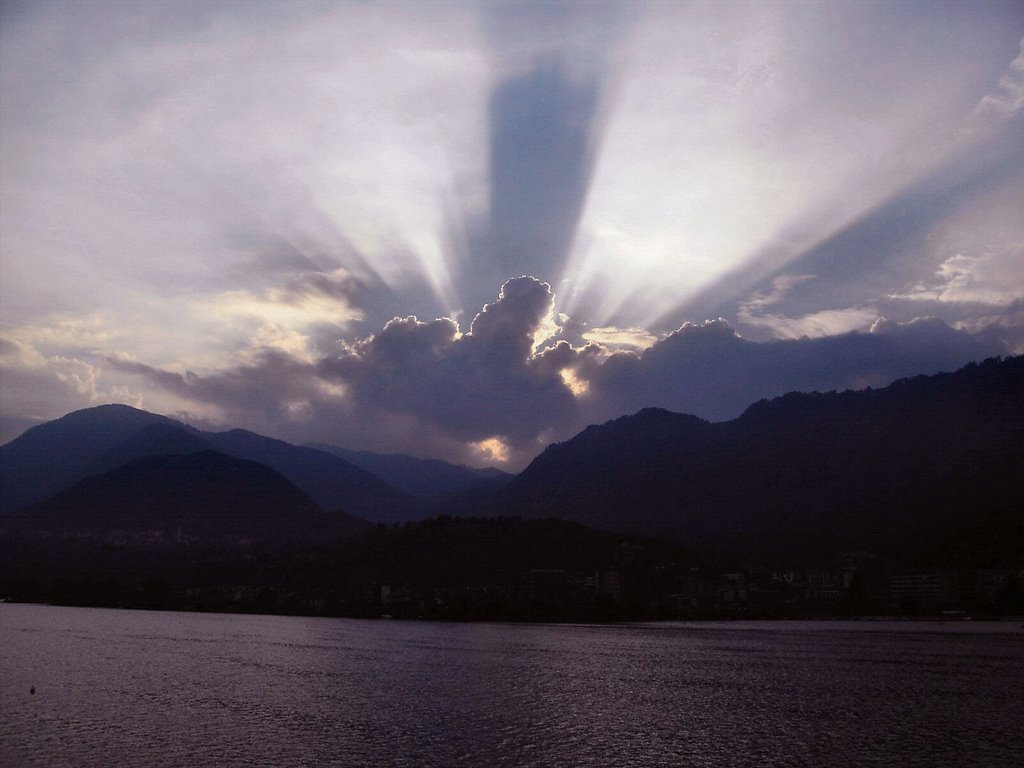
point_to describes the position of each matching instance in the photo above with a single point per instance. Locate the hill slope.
(432, 480)
(204, 497)
(52, 457)
(331, 481)
(925, 466)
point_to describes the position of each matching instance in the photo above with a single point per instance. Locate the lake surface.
(137, 688)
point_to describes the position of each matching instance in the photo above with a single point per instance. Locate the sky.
(465, 230)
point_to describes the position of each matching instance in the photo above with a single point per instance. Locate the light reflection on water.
(169, 689)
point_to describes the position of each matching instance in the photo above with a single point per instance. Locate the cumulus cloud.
(489, 382)
(972, 263)
(415, 385)
(493, 393)
(50, 364)
(38, 386)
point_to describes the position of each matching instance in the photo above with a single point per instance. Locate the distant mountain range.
(428, 479)
(926, 469)
(202, 497)
(52, 457)
(929, 467)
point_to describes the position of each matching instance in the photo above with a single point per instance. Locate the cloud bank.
(509, 384)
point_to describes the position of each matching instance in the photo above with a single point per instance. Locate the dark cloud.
(415, 385)
(486, 383)
(505, 331)
(711, 371)
(425, 387)
(261, 394)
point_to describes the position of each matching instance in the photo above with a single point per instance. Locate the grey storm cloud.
(473, 386)
(715, 373)
(425, 377)
(257, 392)
(425, 387)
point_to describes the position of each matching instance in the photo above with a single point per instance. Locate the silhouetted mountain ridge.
(158, 438)
(432, 480)
(907, 468)
(52, 457)
(200, 497)
(601, 449)
(332, 482)
(927, 465)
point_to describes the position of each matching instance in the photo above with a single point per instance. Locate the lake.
(138, 688)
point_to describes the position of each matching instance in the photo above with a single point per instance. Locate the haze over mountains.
(929, 467)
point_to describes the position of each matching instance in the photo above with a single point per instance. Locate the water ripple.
(165, 689)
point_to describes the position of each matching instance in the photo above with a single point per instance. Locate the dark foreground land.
(490, 569)
(908, 500)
